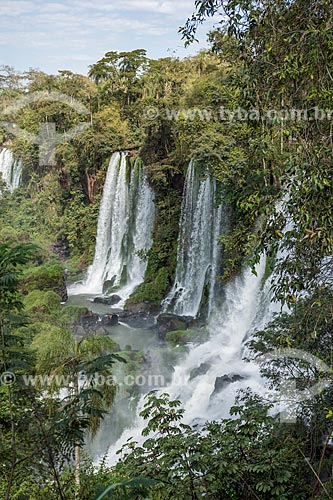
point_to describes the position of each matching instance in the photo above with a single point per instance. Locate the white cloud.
(15, 8)
(42, 32)
(54, 7)
(175, 8)
(172, 7)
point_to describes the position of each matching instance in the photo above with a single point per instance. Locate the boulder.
(196, 323)
(108, 285)
(100, 331)
(222, 382)
(89, 320)
(178, 337)
(139, 320)
(110, 320)
(94, 324)
(108, 301)
(167, 322)
(79, 331)
(137, 307)
(200, 370)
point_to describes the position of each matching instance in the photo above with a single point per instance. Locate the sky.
(72, 34)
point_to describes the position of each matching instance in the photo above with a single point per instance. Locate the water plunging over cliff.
(198, 248)
(211, 374)
(10, 169)
(125, 225)
(207, 379)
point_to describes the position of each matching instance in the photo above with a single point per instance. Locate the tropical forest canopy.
(256, 109)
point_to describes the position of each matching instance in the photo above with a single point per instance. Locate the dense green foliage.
(222, 460)
(40, 432)
(122, 89)
(216, 108)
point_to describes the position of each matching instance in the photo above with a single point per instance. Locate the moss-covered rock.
(48, 276)
(153, 289)
(185, 336)
(166, 178)
(167, 322)
(71, 315)
(45, 302)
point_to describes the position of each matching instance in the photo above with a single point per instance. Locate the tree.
(118, 74)
(83, 369)
(13, 356)
(279, 49)
(35, 429)
(303, 339)
(9, 78)
(221, 460)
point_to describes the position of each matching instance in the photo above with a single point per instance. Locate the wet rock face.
(61, 247)
(222, 382)
(110, 319)
(138, 314)
(200, 370)
(108, 285)
(61, 289)
(92, 324)
(140, 320)
(167, 322)
(108, 301)
(138, 307)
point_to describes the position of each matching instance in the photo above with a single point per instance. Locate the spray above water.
(125, 226)
(10, 169)
(208, 378)
(212, 373)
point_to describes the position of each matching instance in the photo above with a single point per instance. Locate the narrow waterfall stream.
(10, 169)
(198, 248)
(125, 225)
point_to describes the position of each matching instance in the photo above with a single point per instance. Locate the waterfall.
(125, 225)
(198, 248)
(246, 307)
(209, 376)
(216, 256)
(10, 169)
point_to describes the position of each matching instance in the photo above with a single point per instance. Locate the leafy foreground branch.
(248, 456)
(41, 433)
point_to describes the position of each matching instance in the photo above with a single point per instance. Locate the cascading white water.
(125, 225)
(246, 307)
(198, 248)
(10, 169)
(111, 227)
(216, 256)
(143, 210)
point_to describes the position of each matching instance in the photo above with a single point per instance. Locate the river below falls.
(152, 368)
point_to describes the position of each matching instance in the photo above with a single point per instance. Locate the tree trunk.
(77, 448)
(77, 468)
(91, 179)
(13, 445)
